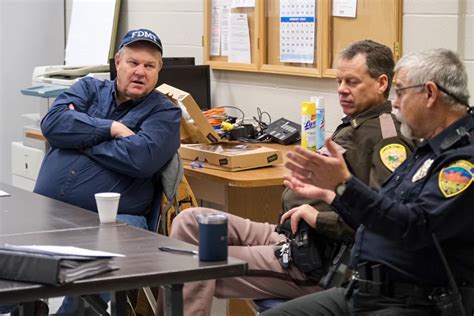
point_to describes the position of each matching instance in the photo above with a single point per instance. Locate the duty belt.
(393, 289)
(374, 280)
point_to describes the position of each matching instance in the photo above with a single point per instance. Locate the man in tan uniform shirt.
(373, 147)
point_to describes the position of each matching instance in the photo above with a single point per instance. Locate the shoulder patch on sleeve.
(455, 178)
(392, 155)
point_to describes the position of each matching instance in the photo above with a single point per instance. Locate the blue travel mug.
(212, 237)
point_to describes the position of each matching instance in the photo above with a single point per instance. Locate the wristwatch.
(341, 187)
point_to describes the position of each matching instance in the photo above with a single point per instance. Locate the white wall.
(426, 24)
(179, 23)
(31, 34)
(441, 23)
(3, 150)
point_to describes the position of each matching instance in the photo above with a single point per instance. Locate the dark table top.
(144, 265)
(25, 212)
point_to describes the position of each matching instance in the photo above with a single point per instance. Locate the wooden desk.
(144, 265)
(35, 135)
(254, 194)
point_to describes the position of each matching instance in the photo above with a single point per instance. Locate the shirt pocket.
(409, 190)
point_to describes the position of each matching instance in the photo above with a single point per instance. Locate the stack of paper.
(54, 265)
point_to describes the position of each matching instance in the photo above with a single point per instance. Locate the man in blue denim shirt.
(111, 136)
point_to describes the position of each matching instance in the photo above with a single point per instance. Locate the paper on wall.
(344, 8)
(215, 32)
(220, 12)
(239, 39)
(225, 20)
(243, 3)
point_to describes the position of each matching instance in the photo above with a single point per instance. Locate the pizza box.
(231, 156)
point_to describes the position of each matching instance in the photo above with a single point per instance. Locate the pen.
(178, 250)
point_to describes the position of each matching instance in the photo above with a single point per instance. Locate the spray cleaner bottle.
(320, 129)
(308, 125)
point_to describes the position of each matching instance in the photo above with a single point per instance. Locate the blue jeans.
(7, 308)
(71, 304)
(134, 220)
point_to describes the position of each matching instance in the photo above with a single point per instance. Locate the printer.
(68, 75)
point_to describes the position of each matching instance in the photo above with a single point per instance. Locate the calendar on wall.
(297, 31)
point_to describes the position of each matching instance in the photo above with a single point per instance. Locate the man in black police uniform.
(400, 270)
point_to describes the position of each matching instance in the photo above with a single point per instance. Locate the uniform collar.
(371, 113)
(451, 135)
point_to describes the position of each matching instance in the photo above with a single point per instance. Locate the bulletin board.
(220, 61)
(378, 20)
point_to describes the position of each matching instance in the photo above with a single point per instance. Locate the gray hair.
(379, 59)
(120, 52)
(443, 67)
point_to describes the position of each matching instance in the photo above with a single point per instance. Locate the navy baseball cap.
(141, 35)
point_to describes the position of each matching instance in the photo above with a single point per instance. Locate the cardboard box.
(205, 146)
(195, 128)
(232, 156)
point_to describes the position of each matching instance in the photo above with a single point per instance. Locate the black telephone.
(284, 131)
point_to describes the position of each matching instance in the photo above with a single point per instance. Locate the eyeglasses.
(440, 88)
(398, 91)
